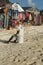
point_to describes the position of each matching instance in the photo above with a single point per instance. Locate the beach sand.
(28, 53)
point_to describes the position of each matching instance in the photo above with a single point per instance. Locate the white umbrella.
(16, 6)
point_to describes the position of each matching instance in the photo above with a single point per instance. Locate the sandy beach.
(28, 53)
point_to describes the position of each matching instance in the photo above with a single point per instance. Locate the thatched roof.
(30, 9)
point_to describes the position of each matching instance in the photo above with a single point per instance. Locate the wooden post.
(21, 34)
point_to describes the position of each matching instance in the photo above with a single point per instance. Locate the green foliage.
(7, 1)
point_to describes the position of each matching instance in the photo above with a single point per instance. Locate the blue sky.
(37, 3)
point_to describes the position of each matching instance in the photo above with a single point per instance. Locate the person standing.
(30, 18)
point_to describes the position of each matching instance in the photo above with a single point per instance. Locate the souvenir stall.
(1, 18)
(18, 12)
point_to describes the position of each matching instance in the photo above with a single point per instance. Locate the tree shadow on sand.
(4, 41)
(7, 42)
(10, 39)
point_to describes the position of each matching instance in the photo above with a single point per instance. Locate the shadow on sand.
(15, 41)
(7, 42)
(3, 41)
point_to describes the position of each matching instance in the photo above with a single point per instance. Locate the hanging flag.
(27, 14)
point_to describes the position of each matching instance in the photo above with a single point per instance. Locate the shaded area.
(5, 41)
(10, 39)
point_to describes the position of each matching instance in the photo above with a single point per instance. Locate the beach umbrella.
(16, 6)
